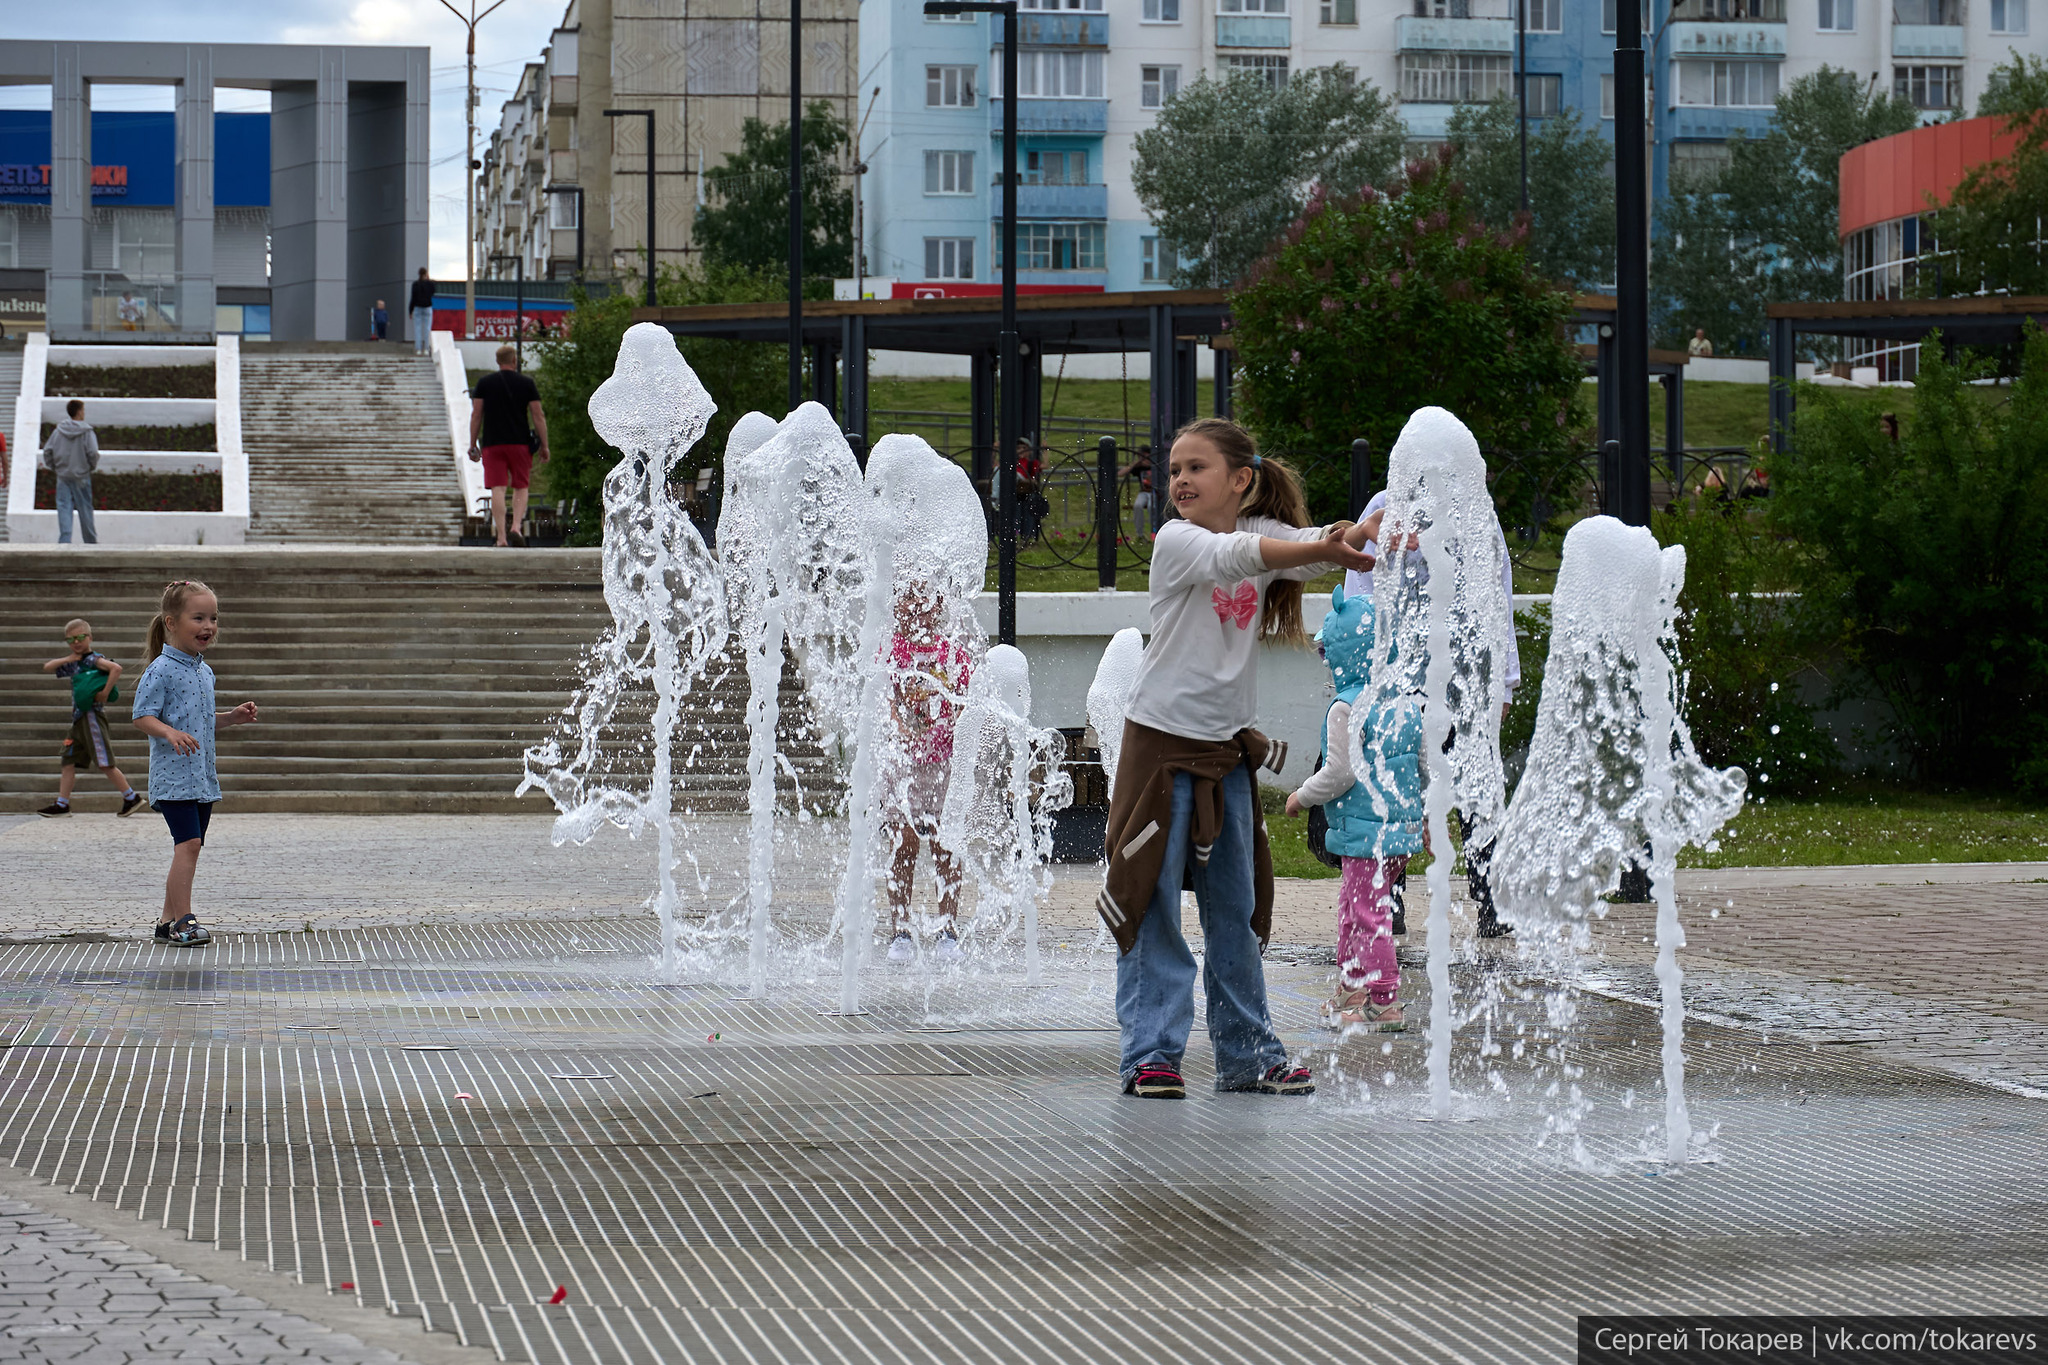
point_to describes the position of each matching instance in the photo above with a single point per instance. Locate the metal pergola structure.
(1167, 325)
(1993, 321)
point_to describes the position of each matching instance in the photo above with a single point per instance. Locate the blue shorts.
(187, 819)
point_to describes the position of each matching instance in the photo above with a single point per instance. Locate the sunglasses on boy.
(74, 639)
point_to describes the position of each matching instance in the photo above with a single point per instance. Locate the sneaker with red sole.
(1156, 1083)
(1282, 1079)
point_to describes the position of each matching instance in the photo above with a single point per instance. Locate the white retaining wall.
(448, 364)
(229, 526)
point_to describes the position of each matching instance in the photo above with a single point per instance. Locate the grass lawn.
(1859, 822)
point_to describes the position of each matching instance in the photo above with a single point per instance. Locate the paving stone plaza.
(426, 1098)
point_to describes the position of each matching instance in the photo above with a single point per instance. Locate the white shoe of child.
(901, 949)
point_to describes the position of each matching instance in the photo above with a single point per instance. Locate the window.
(562, 209)
(1724, 11)
(1929, 87)
(2008, 16)
(1058, 74)
(1162, 11)
(1343, 13)
(951, 18)
(1839, 16)
(1056, 246)
(1251, 6)
(1608, 12)
(1056, 168)
(1692, 162)
(949, 172)
(1546, 95)
(10, 242)
(1544, 16)
(1148, 259)
(1454, 77)
(1443, 9)
(1607, 95)
(1728, 85)
(949, 258)
(1157, 85)
(1092, 6)
(1272, 70)
(1948, 12)
(949, 87)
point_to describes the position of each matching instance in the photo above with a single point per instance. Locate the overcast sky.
(511, 37)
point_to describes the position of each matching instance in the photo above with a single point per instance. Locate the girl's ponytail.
(1275, 492)
(174, 599)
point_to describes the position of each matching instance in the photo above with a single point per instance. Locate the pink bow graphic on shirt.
(1239, 606)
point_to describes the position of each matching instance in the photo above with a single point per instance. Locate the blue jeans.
(75, 495)
(422, 330)
(1155, 1002)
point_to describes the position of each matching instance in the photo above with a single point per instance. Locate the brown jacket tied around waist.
(1141, 812)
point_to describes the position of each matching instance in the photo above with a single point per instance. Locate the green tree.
(1990, 232)
(1374, 304)
(1571, 186)
(1231, 162)
(1779, 198)
(742, 376)
(1930, 558)
(747, 227)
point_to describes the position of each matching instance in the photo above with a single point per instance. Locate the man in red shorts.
(506, 427)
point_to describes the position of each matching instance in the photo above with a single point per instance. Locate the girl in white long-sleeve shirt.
(1225, 575)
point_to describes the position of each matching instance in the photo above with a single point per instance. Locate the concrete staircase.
(10, 389)
(390, 680)
(348, 448)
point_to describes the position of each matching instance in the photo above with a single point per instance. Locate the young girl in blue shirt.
(174, 707)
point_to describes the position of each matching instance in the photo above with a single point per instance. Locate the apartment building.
(555, 162)
(1094, 73)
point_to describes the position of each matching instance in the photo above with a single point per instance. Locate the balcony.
(1254, 30)
(1729, 11)
(1725, 38)
(562, 93)
(1052, 116)
(562, 168)
(1455, 35)
(1055, 201)
(1063, 30)
(1928, 40)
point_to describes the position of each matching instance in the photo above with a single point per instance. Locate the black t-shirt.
(422, 294)
(506, 394)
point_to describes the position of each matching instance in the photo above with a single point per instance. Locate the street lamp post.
(1629, 491)
(469, 167)
(796, 204)
(647, 114)
(1009, 420)
(1522, 90)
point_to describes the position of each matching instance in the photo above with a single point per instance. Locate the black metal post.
(1630, 499)
(1107, 519)
(796, 203)
(1221, 367)
(1361, 477)
(1009, 419)
(518, 302)
(1674, 429)
(647, 114)
(1784, 369)
(1522, 84)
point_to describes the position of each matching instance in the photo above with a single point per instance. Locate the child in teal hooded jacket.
(1376, 820)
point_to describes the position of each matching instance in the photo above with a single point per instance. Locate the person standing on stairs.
(506, 430)
(72, 454)
(421, 306)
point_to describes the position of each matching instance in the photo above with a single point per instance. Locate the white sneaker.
(901, 949)
(946, 947)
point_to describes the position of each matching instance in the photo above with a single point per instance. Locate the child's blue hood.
(1346, 638)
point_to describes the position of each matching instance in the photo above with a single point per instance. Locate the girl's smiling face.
(195, 625)
(1204, 487)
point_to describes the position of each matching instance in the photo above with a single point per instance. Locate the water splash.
(991, 821)
(1612, 769)
(668, 608)
(927, 539)
(1109, 696)
(1444, 628)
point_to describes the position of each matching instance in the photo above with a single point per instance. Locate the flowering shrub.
(1373, 306)
(141, 492)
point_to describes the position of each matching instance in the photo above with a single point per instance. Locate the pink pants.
(1365, 928)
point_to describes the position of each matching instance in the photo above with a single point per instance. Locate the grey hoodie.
(73, 452)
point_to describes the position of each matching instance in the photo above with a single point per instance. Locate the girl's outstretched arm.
(1335, 548)
(245, 714)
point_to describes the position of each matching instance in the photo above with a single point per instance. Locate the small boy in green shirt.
(92, 677)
